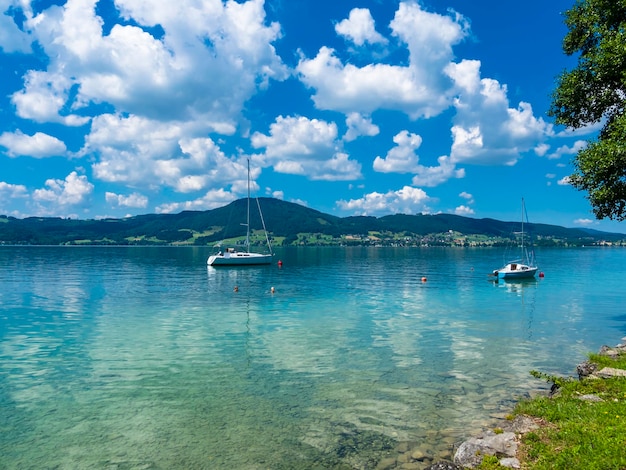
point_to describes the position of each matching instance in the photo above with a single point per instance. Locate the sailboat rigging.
(232, 257)
(524, 267)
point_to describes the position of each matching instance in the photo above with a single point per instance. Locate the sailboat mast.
(522, 226)
(248, 218)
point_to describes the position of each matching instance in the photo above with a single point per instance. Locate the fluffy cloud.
(401, 158)
(44, 96)
(152, 83)
(567, 150)
(429, 36)
(208, 51)
(310, 147)
(157, 95)
(143, 153)
(541, 149)
(359, 125)
(132, 200)
(12, 39)
(419, 89)
(408, 200)
(359, 28)
(348, 88)
(464, 210)
(467, 196)
(486, 130)
(431, 176)
(75, 190)
(39, 145)
(8, 191)
(211, 200)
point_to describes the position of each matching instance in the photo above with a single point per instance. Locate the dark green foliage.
(174, 235)
(593, 92)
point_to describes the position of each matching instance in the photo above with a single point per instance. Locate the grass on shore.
(578, 433)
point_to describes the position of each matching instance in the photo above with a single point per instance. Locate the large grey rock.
(521, 424)
(612, 352)
(471, 452)
(609, 372)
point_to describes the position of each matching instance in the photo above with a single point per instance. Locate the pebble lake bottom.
(145, 358)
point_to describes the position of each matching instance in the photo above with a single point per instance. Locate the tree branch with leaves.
(595, 92)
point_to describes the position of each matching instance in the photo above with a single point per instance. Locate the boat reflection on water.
(524, 295)
(516, 285)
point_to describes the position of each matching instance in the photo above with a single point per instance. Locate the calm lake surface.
(145, 358)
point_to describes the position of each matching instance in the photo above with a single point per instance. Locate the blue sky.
(113, 108)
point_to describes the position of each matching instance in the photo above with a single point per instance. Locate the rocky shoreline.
(504, 442)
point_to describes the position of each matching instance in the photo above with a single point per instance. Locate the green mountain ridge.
(288, 223)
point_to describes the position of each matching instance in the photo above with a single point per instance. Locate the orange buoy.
(280, 264)
(541, 274)
(424, 279)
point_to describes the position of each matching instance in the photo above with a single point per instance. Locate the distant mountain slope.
(283, 219)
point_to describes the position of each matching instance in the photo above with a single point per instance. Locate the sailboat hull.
(239, 258)
(516, 271)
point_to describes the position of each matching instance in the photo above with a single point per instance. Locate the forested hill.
(287, 223)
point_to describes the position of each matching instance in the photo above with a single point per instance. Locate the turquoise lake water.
(145, 358)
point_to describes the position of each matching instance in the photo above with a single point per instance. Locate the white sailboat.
(525, 266)
(233, 257)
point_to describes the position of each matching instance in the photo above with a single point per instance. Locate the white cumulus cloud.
(408, 200)
(486, 130)
(360, 28)
(359, 125)
(401, 158)
(464, 210)
(132, 200)
(8, 191)
(208, 51)
(38, 145)
(419, 89)
(308, 147)
(74, 190)
(211, 200)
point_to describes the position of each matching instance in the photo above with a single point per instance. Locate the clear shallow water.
(144, 358)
